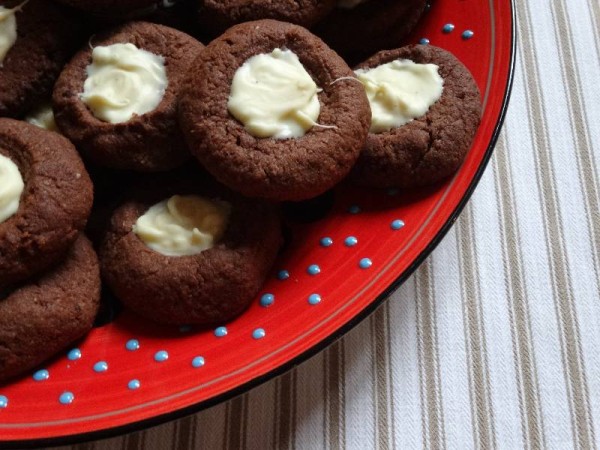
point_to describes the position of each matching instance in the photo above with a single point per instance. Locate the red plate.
(129, 374)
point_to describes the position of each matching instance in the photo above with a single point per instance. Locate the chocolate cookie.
(54, 204)
(146, 142)
(205, 288)
(43, 317)
(431, 147)
(356, 29)
(278, 169)
(218, 15)
(45, 38)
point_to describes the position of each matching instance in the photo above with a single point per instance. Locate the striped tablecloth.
(495, 341)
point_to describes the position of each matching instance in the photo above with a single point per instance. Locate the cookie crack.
(430, 142)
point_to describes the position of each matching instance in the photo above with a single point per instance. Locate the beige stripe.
(422, 378)
(136, 441)
(325, 356)
(285, 429)
(174, 433)
(437, 365)
(557, 258)
(277, 412)
(234, 426)
(523, 349)
(183, 433)
(293, 409)
(342, 392)
(244, 424)
(227, 430)
(334, 396)
(392, 398)
(481, 402)
(431, 398)
(194, 431)
(381, 371)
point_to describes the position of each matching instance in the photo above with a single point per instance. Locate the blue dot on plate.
(101, 366)
(448, 28)
(3, 401)
(397, 224)
(424, 41)
(66, 398)
(467, 34)
(267, 300)
(132, 345)
(74, 354)
(220, 332)
(326, 242)
(350, 241)
(161, 356)
(283, 275)
(313, 269)
(314, 299)
(134, 384)
(41, 375)
(198, 361)
(365, 263)
(354, 209)
(259, 333)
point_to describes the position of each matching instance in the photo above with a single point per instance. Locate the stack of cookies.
(49, 274)
(192, 149)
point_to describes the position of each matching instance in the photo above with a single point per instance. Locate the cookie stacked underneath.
(49, 277)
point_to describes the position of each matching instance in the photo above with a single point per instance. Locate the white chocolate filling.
(183, 225)
(400, 91)
(8, 30)
(43, 117)
(123, 81)
(273, 95)
(11, 188)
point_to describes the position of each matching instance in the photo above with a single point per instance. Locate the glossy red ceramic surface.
(131, 373)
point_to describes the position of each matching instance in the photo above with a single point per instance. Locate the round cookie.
(277, 169)
(429, 148)
(54, 204)
(148, 142)
(361, 28)
(206, 288)
(218, 15)
(43, 317)
(45, 39)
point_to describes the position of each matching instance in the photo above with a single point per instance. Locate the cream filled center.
(123, 81)
(11, 188)
(183, 225)
(273, 95)
(8, 30)
(43, 117)
(400, 91)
